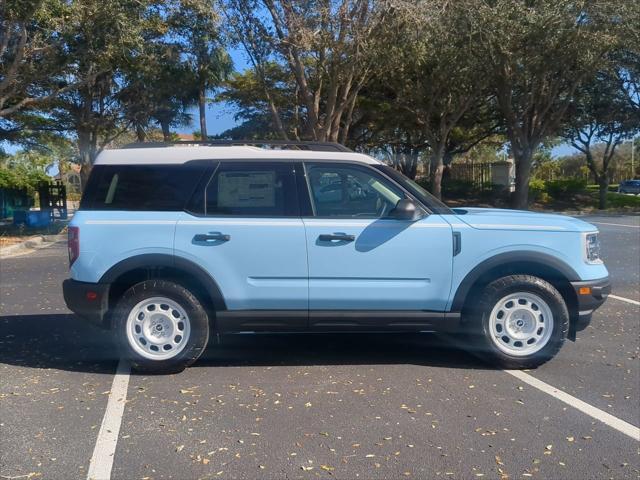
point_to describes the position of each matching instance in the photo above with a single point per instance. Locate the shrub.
(458, 188)
(616, 200)
(20, 178)
(536, 188)
(565, 188)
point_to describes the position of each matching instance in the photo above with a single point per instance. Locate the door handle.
(211, 236)
(331, 237)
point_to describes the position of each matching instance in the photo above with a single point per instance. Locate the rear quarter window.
(141, 187)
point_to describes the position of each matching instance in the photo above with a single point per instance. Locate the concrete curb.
(37, 241)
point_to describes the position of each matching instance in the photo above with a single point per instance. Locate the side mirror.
(406, 209)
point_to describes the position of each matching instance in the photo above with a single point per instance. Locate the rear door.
(248, 235)
(362, 259)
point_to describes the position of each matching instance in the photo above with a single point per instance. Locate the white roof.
(182, 154)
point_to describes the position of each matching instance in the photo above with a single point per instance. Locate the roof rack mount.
(283, 144)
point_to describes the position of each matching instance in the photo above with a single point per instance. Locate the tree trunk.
(202, 99)
(84, 152)
(140, 133)
(437, 168)
(408, 163)
(166, 130)
(520, 198)
(603, 183)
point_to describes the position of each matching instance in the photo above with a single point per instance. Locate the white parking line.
(623, 299)
(105, 449)
(616, 224)
(606, 418)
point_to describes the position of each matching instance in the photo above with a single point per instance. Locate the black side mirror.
(406, 209)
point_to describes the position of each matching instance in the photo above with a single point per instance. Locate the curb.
(31, 243)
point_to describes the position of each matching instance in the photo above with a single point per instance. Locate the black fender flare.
(504, 259)
(154, 260)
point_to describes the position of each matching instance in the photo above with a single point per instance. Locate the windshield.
(431, 202)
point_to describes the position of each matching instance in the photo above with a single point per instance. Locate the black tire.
(198, 325)
(480, 329)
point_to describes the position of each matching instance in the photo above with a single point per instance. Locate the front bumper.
(590, 295)
(87, 300)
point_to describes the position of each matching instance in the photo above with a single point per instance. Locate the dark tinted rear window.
(141, 187)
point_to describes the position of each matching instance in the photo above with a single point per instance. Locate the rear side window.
(252, 189)
(141, 187)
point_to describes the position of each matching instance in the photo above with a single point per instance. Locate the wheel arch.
(547, 267)
(143, 267)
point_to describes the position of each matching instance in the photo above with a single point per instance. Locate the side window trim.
(206, 187)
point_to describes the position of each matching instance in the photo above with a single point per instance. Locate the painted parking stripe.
(616, 224)
(105, 449)
(623, 299)
(606, 418)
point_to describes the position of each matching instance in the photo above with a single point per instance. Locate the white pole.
(633, 170)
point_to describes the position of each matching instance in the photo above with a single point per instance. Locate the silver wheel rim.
(158, 328)
(521, 324)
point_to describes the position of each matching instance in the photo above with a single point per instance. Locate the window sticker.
(246, 189)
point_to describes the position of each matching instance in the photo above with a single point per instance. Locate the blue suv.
(175, 242)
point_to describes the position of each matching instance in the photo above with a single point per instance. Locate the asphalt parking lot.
(331, 406)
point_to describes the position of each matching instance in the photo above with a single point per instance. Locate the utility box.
(504, 174)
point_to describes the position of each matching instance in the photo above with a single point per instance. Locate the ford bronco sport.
(174, 242)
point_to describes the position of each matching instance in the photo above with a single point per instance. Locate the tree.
(245, 92)
(327, 48)
(601, 114)
(436, 79)
(158, 90)
(32, 69)
(197, 25)
(101, 38)
(536, 54)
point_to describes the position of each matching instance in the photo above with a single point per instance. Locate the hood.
(499, 219)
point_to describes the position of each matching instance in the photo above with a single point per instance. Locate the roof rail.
(282, 144)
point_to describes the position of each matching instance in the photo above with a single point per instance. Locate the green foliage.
(566, 187)
(537, 188)
(21, 177)
(617, 200)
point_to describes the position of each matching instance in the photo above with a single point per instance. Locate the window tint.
(141, 187)
(252, 189)
(350, 191)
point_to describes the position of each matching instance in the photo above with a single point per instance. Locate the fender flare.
(503, 259)
(153, 260)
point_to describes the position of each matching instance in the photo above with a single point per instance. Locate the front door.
(251, 240)
(362, 259)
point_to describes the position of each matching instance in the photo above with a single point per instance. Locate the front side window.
(350, 191)
(252, 189)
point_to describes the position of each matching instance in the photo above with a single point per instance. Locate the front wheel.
(523, 321)
(161, 326)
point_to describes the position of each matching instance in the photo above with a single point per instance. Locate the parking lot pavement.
(342, 406)
(620, 241)
(54, 373)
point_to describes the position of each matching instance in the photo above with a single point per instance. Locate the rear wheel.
(523, 321)
(161, 326)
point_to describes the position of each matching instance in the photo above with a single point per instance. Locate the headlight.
(592, 248)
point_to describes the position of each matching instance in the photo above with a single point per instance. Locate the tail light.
(73, 244)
